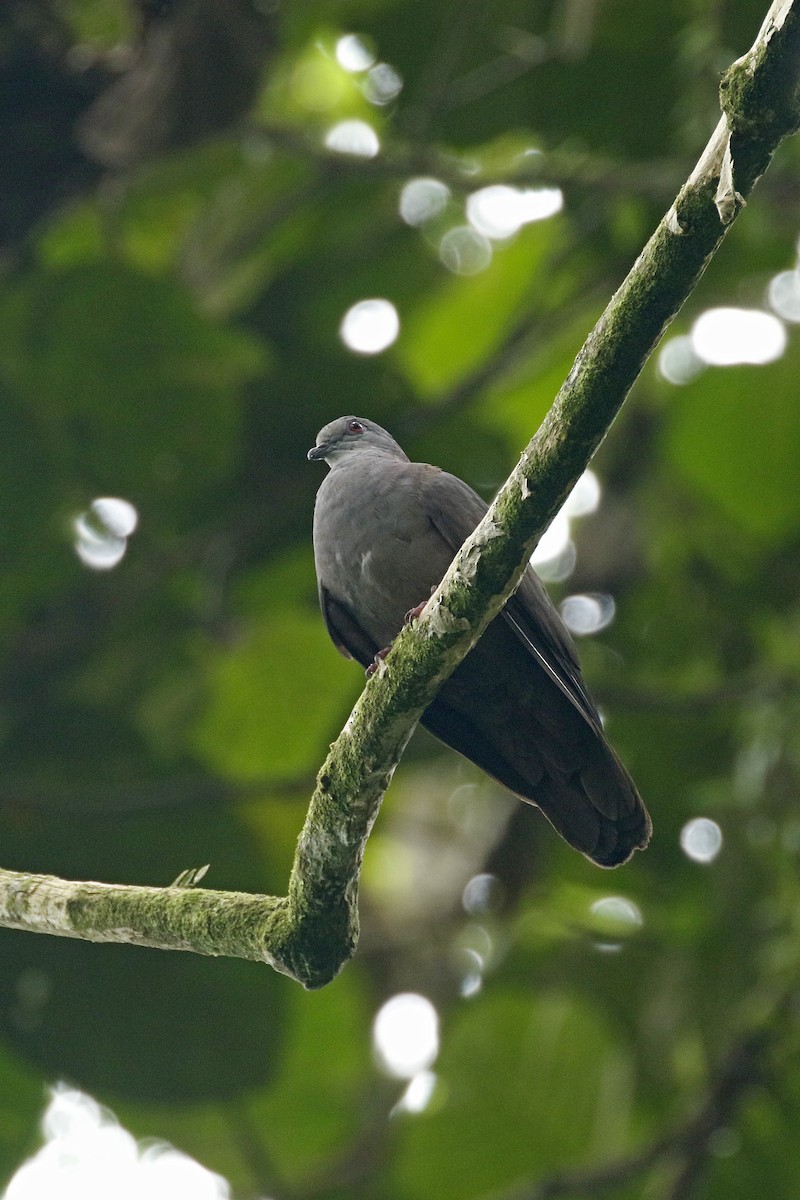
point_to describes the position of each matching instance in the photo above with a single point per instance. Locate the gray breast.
(375, 548)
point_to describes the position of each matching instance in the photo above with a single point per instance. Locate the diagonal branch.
(310, 933)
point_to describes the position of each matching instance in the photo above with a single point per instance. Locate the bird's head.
(340, 439)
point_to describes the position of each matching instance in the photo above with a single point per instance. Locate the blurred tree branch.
(192, 72)
(686, 1148)
(462, 173)
(310, 933)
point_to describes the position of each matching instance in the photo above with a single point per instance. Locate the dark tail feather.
(597, 809)
(595, 806)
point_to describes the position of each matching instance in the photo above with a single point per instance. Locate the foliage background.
(179, 249)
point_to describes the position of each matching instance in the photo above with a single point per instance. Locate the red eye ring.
(355, 427)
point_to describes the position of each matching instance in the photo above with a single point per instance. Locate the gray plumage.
(385, 532)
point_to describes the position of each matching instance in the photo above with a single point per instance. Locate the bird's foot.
(377, 662)
(410, 616)
(413, 613)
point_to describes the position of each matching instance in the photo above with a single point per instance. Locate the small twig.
(403, 160)
(741, 1070)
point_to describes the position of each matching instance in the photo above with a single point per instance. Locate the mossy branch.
(310, 933)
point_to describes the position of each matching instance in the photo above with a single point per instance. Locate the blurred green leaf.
(120, 369)
(462, 320)
(21, 1097)
(526, 1082)
(733, 435)
(315, 1106)
(135, 1023)
(266, 715)
(125, 1022)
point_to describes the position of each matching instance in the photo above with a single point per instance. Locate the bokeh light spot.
(383, 84)
(353, 137)
(554, 539)
(472, 977)
(554, 557)
(370, 326)
(559, 568)
(725, 337)
(101, 534)
(701, 839)
(482, 894)
(406, 1035)
(465, 251)
(613, 919)
(418, 1094)
(784, 295)
(585, 614)
(500, 211)
(678, 362)
(117, 516)
(352, 54)
(88, 1154)
(584, 497)
(423, 199)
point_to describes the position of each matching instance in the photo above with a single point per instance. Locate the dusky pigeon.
(385, 531)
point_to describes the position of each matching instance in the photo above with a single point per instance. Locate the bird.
(385, 531)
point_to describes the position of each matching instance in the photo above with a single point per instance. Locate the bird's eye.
(355, 427)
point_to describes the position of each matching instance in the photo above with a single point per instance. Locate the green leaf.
(124, 1021)
(274, 699)
(734, 434)
(134, 389)
(314, 1107)
(526, 1082)
(21, 1102)
(454, 327)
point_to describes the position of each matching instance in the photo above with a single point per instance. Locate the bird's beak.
(317, 452)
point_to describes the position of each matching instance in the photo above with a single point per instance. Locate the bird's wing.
(455, 510)
(345, 631)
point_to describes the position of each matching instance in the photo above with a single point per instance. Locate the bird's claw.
(410, 616)
(413, 613)
(377, 661)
